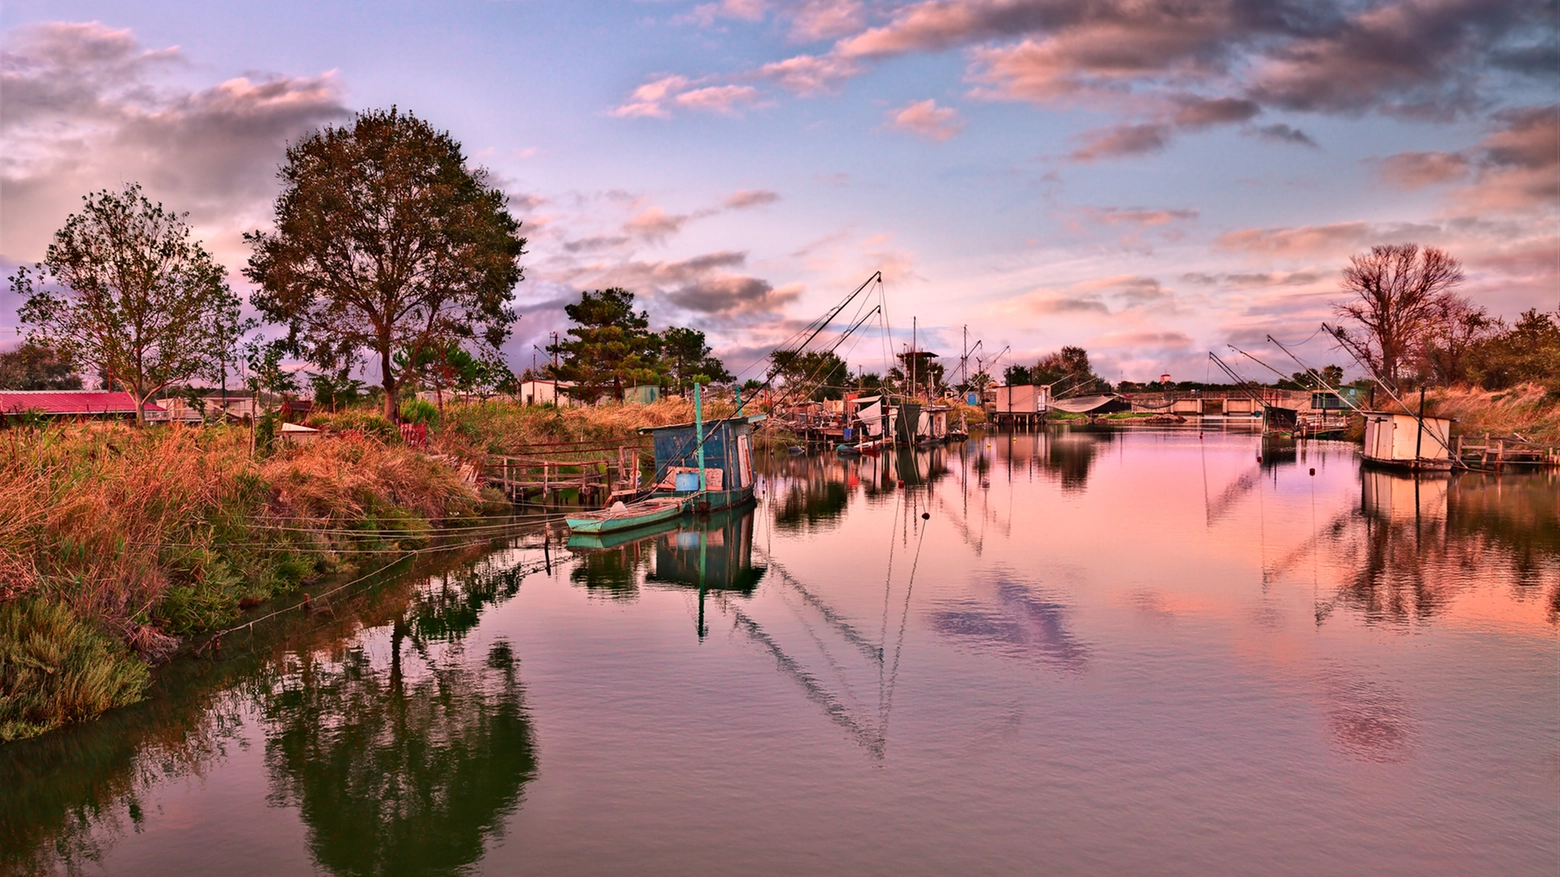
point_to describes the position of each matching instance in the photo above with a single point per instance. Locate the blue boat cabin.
(728, 455)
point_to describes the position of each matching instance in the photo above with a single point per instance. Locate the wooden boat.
(622, 517)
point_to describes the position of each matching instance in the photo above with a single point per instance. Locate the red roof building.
(71, 403)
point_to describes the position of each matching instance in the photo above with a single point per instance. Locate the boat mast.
(698, 429)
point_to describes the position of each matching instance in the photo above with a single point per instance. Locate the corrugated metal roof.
(67, 402)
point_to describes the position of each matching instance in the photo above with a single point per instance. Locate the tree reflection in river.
(398, 771)
(404, 763)
(1416, 542)
(458, 729)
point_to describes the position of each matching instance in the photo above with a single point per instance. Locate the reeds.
(147, 535)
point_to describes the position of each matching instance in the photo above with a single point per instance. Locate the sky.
(1148, 180)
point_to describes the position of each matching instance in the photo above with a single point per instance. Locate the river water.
(1129, 652)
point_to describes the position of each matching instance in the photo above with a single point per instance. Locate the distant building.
(545, 392)
(104, 404)
(1164, 379)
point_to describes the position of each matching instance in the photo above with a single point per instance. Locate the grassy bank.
(116, 543)
(1528, 410)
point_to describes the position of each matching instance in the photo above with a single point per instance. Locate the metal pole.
(698, 430)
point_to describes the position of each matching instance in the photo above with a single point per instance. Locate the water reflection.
(399, 771)
(1017, 622)
(1417, 541)
(394, 768)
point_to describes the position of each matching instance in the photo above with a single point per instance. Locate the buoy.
(926, 516)
(1313, 470)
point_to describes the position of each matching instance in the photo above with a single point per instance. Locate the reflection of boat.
(623, 518)
(714, 554)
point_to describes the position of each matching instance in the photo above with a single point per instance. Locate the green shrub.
(57, 668)
(419, 411)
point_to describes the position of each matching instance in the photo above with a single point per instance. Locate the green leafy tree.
(1528, 351)
(815, 375)
(687, 358)
(267, 379)
(1070, 361)
(608, 348)
(386, 241)
(335, 390)
(1017, 375)
(36, 367)
(124, 290)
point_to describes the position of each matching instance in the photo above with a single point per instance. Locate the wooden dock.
(598, 480)
(1497, 452)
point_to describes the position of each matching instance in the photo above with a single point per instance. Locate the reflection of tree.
(405, 766)
(396, 773)
(1070, 456)
(810, 503)
(70, 794)
(612, 573)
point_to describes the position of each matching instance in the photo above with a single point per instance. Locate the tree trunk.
(392, 411)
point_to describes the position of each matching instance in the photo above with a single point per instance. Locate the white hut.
(1408, 441)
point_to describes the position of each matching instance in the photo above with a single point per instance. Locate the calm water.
(1105, 653)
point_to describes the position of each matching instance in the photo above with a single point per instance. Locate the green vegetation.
(56, 667)
(34, 366)
(386, 243)
(115, 542)
(124, 291)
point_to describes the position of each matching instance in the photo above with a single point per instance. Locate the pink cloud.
(926, 119)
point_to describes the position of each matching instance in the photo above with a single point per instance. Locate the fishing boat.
(622, 517)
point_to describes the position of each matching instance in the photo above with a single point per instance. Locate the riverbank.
(116, 544)
(1527, 410)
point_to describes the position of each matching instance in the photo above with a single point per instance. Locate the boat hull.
(631, 519)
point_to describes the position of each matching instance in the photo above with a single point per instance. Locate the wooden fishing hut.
(724, 458)
(1407, 441)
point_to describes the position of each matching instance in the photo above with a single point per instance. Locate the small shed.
(1408, 441)
(297, 434)
(643, 394)
(545, 392)
(728, 453)
(1023, 398)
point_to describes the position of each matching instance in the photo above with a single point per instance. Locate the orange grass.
(148, 535)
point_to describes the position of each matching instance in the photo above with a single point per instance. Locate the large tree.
(36, 367)
(815, 375)
(1398, 291)
(687, 357)
(125, 291)
(386, 242)
(1070, 361)
(610, 346)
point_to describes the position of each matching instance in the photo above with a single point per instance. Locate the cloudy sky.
(1150, 180)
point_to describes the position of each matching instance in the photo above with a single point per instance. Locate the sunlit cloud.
(926, 119)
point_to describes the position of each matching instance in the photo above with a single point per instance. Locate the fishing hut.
(1407, 441)
(709, 462)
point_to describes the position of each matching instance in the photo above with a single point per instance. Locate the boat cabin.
(1408, 441)
(728, 458)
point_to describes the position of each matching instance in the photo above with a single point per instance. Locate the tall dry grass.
(1529, 410)
(146, 535)
(500, 427)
